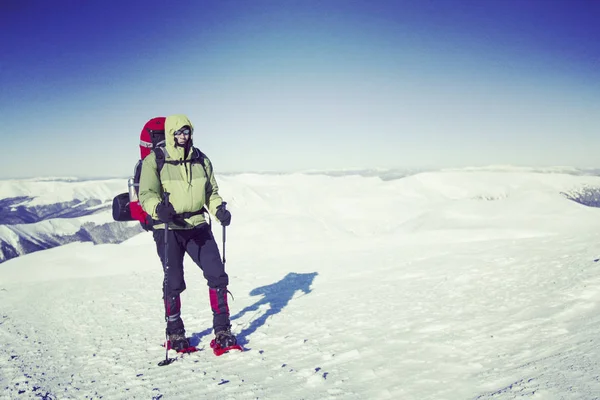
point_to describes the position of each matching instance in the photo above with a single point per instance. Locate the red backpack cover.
(126, 206)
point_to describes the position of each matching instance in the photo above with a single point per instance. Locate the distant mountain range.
(399, 173)
(38, 214)
(41, 214)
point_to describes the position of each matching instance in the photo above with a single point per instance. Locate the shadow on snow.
(276, 295)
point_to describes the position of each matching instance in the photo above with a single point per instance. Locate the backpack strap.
(159, 152)
(197, 158)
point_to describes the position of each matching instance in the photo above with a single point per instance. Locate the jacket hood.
(172, 124)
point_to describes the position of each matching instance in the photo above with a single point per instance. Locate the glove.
(223, 215)
(166, 213)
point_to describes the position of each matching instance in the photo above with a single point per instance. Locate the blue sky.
(286, 85)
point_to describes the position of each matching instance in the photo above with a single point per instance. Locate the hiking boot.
(225, 339)
(178, 341)
(173, 315)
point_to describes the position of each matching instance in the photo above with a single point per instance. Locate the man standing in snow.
(187, 175)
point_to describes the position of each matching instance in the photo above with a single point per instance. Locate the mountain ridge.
(40, 214)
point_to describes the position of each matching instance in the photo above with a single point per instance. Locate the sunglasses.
(183, 131)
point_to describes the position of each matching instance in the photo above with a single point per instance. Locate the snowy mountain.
(440, 285)
(38, 214)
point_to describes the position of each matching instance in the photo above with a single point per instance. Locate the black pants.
(199, 243)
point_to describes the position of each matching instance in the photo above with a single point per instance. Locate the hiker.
(186, 174)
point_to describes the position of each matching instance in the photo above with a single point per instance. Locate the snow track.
(486, 320)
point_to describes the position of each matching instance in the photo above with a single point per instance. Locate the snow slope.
(440, 285)
(37, 214)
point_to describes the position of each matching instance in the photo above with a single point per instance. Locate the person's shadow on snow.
(276, 295)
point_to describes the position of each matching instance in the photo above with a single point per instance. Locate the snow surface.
(441, 285)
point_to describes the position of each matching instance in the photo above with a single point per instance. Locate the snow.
(56, 190)
(62, 226)
(54, 210)
(468, 284)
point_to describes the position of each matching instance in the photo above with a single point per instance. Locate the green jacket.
(190, 186)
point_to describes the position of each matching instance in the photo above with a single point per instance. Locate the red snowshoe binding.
(223, 342)
(180, 343)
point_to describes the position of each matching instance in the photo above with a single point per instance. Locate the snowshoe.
(223, 342)
(180, 343)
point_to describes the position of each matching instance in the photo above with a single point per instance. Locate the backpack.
(126, 206)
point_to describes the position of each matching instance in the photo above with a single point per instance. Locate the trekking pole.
(167, 360)
(224, 205)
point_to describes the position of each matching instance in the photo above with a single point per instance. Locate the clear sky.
(288, 85)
